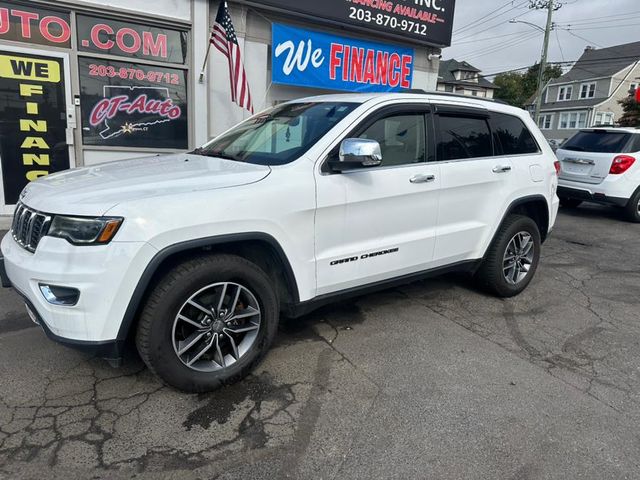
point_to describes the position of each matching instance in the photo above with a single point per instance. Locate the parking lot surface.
(429, 380)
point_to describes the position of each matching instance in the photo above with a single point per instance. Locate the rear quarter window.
(511, 135)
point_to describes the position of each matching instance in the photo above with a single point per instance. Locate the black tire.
(490, 275)
(567, 202)
(154, 337)
(632, 210)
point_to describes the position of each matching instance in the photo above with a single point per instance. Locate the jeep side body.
(197, 255)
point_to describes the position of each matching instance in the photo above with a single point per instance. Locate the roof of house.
(603, 62)
(447, 67)
(588, 102)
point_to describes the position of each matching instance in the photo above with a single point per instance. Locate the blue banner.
(306, 58)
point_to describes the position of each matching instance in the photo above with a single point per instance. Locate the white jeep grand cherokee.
(198, 254)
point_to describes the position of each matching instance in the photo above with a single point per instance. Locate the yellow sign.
(23, 68)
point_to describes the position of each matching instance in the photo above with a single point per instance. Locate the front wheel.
(513, 257)
(208, 322)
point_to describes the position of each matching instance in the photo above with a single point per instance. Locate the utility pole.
(549, 4)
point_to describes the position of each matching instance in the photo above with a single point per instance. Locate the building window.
(573, 120)
(545, 121)
(587, 90)
(603, 118)
(474, 93)
(565, 93)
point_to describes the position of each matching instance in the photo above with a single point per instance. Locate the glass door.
(37, 118)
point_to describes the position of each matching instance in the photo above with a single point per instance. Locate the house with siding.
(464, 79)
(588, 95)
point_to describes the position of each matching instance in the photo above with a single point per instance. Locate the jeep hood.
(95, 190)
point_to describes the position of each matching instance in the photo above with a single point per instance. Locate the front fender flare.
(155, 263)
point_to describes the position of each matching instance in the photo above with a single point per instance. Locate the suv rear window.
(598, 141)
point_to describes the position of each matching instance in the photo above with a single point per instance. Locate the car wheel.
(512, 259)
(570, 202)
(208, 322)
(632, 210)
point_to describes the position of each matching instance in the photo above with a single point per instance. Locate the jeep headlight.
(83, 230)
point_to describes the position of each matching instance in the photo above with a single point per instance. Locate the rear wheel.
(208, 323)
(632, 210)
(512, 259)
(570, 202)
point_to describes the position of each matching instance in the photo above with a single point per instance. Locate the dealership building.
(92, 81)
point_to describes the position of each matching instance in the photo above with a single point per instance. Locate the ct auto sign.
(306, 58)
(428, 22)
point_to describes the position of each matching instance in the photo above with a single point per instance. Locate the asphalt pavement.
(433, 380)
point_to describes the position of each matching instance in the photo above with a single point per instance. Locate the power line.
(501, 22)
(503, 47)
(559, 45)
(465, 27)
(582, 38)
(617, 15)
(488, 38)
(494, 45)
(601, 28)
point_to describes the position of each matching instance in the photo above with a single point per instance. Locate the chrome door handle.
(423, 178)
(502, 169)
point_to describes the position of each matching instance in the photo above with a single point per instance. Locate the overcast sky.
(493, 45)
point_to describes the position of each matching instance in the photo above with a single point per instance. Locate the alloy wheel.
(518, 258)
(216, 327)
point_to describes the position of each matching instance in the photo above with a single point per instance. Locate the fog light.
(64, 296)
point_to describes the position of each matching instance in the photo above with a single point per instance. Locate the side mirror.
(357, 153)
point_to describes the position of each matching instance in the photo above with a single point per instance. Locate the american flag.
(223, 37)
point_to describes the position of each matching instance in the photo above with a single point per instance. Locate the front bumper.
(105, 275)
(111, 351)
(588, 196)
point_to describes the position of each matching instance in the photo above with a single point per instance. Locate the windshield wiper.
(206, 153)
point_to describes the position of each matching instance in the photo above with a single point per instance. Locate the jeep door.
(486, 160)
(377, 223)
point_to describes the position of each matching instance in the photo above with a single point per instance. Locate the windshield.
(279, 135)
(597, 141)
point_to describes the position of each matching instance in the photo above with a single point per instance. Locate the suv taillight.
(621, 164)
(557, 165)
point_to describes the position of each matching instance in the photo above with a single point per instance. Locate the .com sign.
(312, 59)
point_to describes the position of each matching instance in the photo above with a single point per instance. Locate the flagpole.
(204, 64)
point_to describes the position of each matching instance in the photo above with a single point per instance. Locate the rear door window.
(463, 137)
(511, 135)
(598, 141)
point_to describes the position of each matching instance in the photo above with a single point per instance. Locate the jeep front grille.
(29, 226)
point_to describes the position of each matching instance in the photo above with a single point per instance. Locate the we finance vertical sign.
(306, 58)
(32, 120)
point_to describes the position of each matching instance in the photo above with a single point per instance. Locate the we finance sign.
(312, 59)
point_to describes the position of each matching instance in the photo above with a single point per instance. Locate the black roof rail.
(420, 91)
